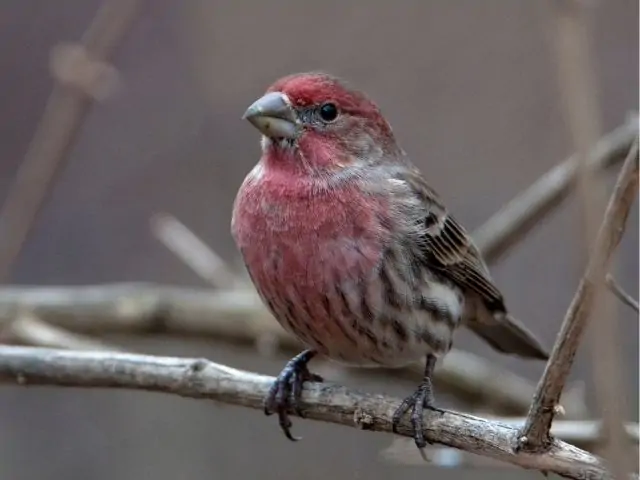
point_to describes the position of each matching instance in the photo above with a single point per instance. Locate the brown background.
(471, 90)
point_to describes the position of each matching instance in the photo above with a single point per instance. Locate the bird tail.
(508, 335)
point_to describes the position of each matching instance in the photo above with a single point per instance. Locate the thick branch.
(197, 378)
(555, 375)
(586, 434)
(518, 217)
(239, 315)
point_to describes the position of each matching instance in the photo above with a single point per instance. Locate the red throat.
(311, 153)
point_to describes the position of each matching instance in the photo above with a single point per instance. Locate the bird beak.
(273, 115)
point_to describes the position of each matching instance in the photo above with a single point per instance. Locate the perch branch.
(197, 378)
(619, 292)
(58, 128)
(554, 377)
(584, 434)
(517, 218)
(239, 315)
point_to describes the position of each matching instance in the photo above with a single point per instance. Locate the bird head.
(315, 122)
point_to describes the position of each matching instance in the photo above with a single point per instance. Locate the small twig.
(583, 432)
(240, 316)
(517, 218)
(619, 292)
(192, 251)
(197, 378)
(536, 430)
(27, 329)
(55, 135)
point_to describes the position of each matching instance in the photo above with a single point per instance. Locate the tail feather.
(508, 335)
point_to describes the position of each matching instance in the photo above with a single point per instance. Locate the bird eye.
(328, 112)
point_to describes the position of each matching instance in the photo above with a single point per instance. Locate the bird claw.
(417, 402)
(286, 391)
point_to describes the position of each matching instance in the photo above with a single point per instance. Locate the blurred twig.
(619, 292)
(198, 378)
(27, 329)
(59, 126)
(516, 219)
(239, 315)
(535, 434)
(192, 251)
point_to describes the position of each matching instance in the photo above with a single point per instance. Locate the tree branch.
(198, 378)
(518, 217)
(585, 434)
(580, 95)
(579, 92)
(27, 329)
(189, 248)
(55, 135)
(239, 316)
(536, 430)
(619, 292)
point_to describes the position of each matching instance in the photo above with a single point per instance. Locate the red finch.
(352, 251)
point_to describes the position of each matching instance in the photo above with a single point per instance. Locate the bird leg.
(286, 390)
(422, 398)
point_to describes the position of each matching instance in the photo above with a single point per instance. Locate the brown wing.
(448, 248)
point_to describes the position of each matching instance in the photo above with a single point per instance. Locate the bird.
(352, 251)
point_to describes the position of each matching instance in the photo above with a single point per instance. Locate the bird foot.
(417, 402)
(286, 390)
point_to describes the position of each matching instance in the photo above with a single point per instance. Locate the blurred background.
(472, 93)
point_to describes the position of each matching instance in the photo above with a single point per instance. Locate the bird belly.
(326, 276)
(337, 301)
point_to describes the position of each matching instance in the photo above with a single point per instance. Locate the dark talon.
(270, 398)
(416, 402)
(286, 390)
(298, 382)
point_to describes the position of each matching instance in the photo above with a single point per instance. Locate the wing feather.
(447, 247)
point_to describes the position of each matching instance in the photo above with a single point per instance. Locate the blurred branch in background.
(193, 251)
(577, 80)
(619, 292)
(82, 76)
(198, 378)
(26, 329)
(516, 219)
